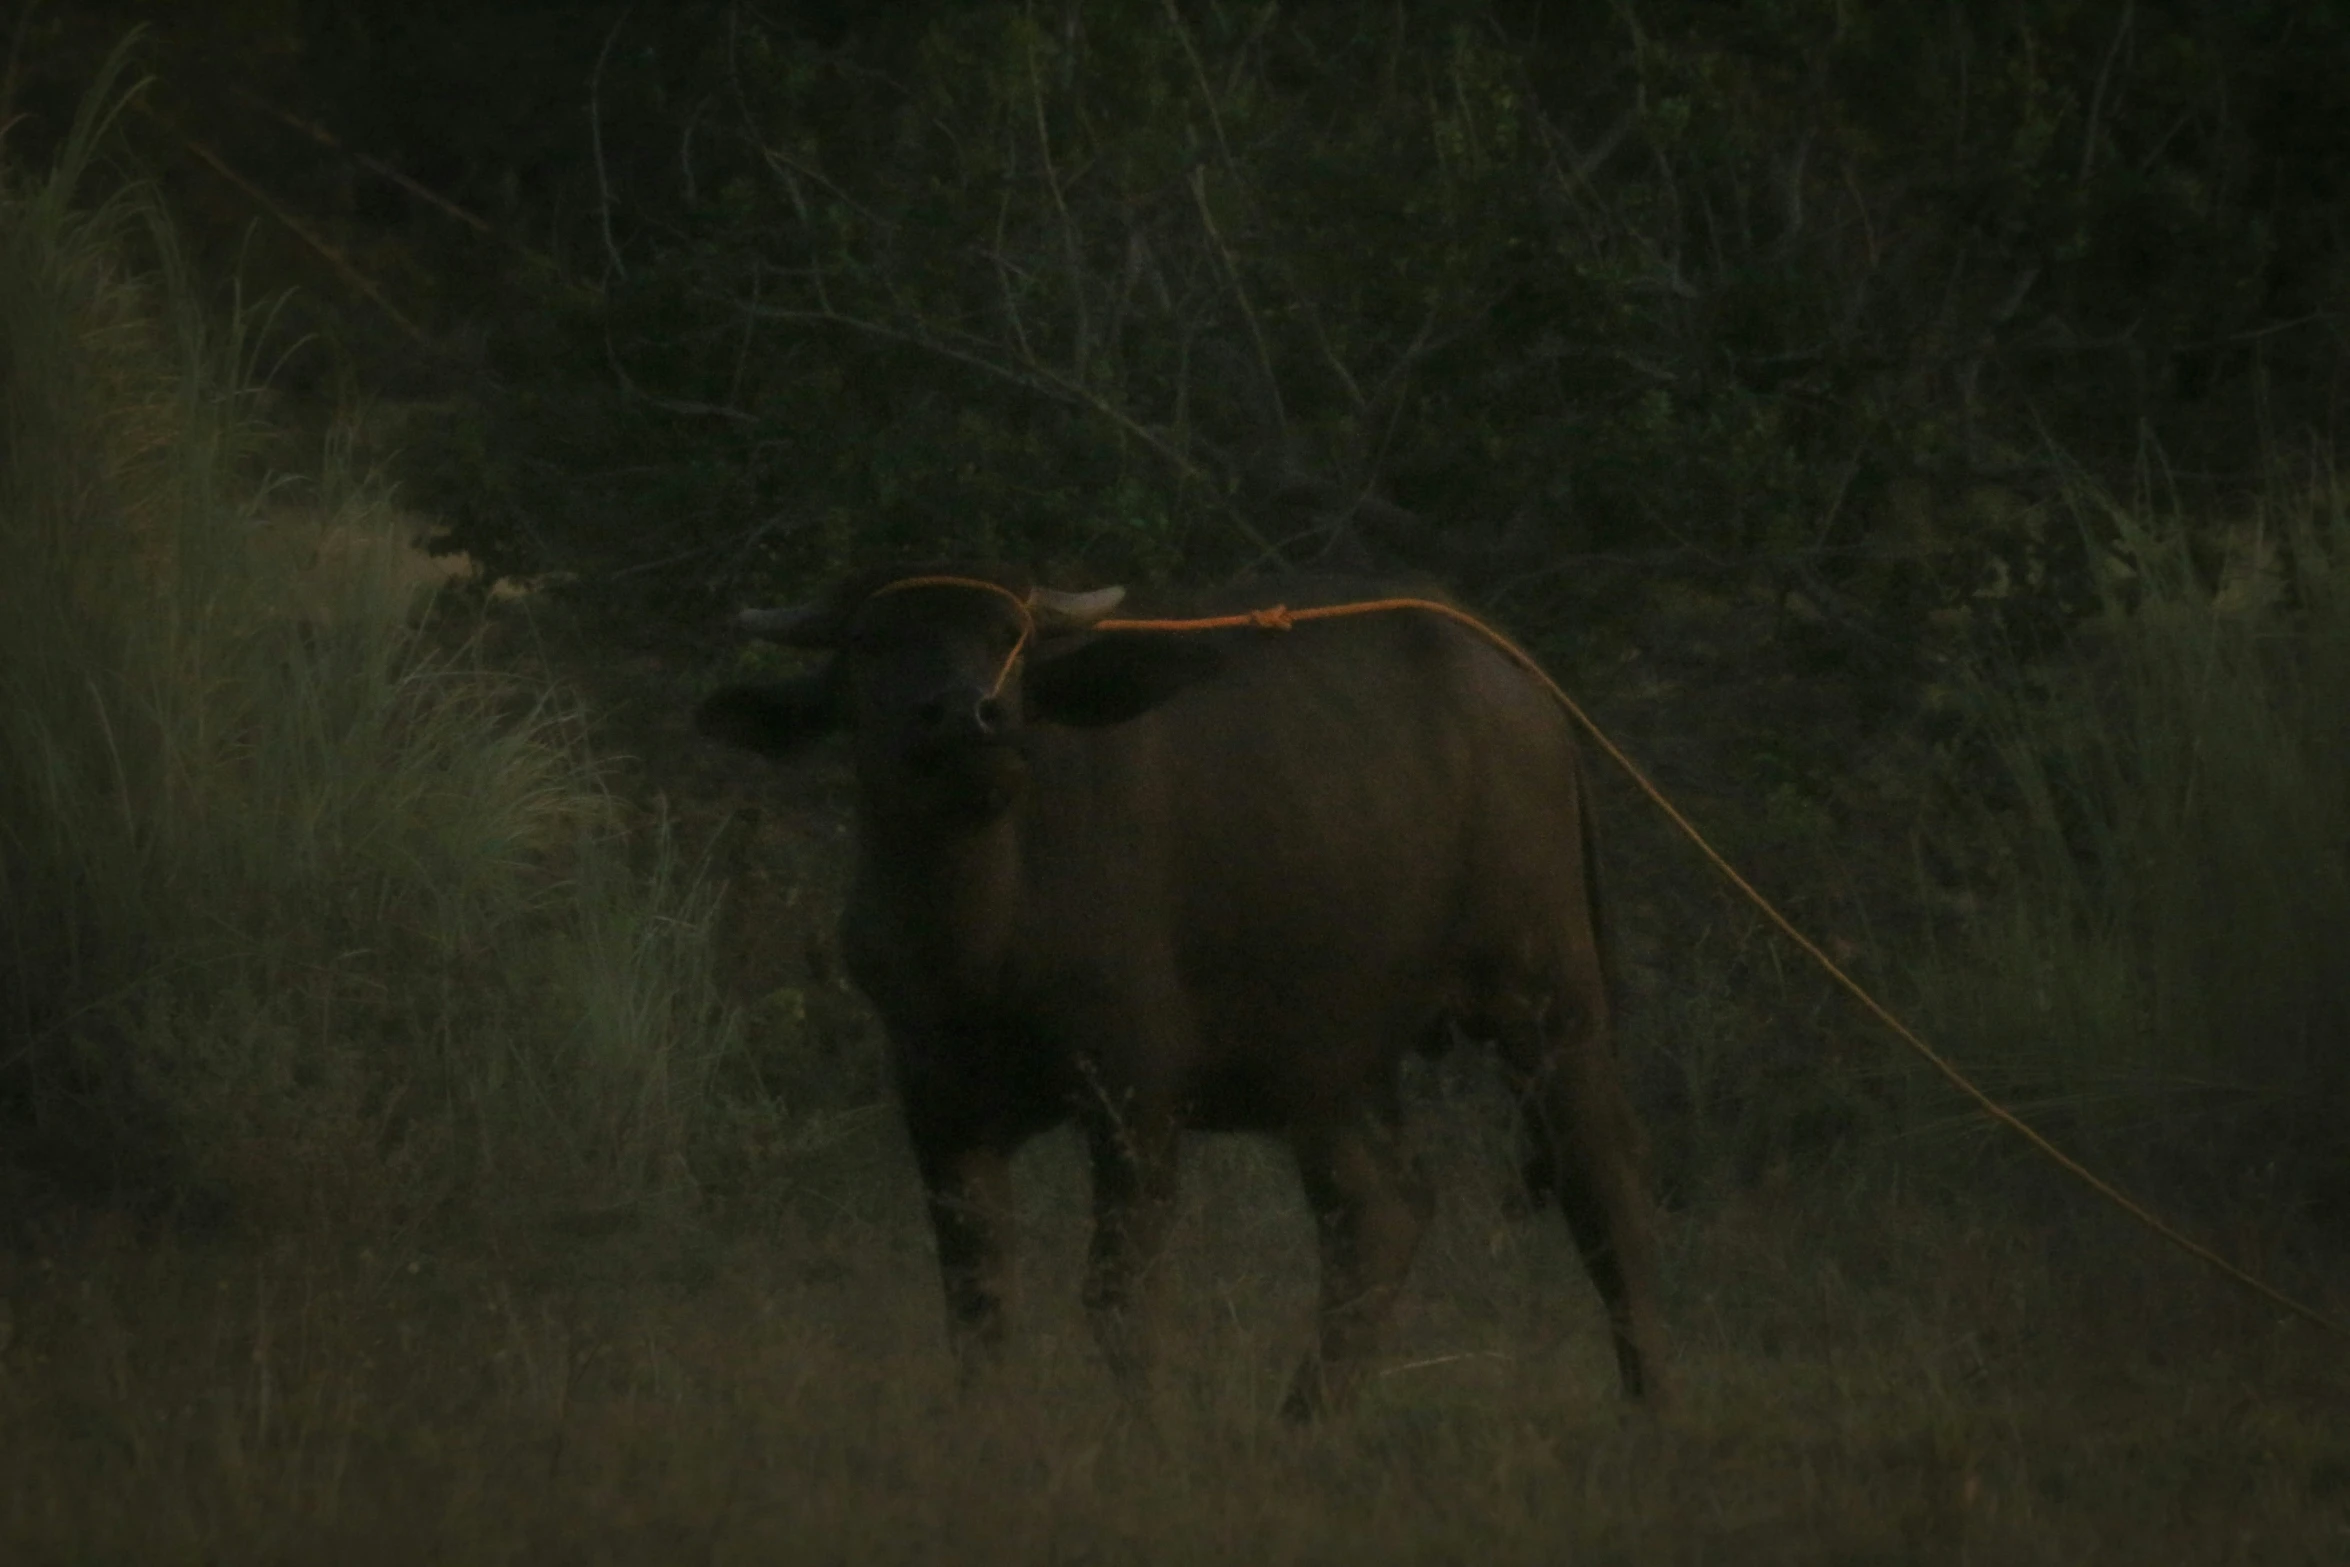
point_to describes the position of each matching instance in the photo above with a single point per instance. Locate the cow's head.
(938, 676)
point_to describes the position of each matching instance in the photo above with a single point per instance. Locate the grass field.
(1869, 1375)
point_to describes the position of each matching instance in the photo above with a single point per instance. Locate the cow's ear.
(1113, 678)
(774, 720)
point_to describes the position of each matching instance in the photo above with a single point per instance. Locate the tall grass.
(2170, 968)
(300, 911)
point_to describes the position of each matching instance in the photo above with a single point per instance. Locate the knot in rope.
(1276, 618)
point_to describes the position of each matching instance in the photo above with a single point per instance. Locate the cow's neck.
(947, 892)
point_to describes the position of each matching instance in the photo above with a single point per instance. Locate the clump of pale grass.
(2165, 970)
(301, 910)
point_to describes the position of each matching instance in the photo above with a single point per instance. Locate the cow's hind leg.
(1371, 1198)
(1585, 1147)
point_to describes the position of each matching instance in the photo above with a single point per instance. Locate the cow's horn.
(1072, 611)
(795, 625)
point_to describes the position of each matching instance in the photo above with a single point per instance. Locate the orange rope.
(1018, 602)
(1282, 618)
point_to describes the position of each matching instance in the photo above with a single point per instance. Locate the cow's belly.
(1297, 1044)
(1236, 1096)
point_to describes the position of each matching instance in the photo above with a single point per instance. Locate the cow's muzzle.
(966, 713)
(966, 762)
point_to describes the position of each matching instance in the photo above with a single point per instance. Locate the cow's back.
(1361, 825)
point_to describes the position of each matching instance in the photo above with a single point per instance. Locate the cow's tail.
(1594, 898)
(1537, 1171)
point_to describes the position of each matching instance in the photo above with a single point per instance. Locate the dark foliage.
(1804, 296)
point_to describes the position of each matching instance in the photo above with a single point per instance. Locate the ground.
(1867, 1377)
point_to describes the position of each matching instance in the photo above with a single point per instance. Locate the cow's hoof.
(1313, 1395)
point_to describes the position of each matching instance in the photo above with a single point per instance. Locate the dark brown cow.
(1223, 880)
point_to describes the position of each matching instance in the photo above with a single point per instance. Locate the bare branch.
(1313, 315)
(596, 141)
(8, 76)
(1129, 278)
(1392, 382)
(1794, 184)
(1579, 177)
(685, 152)
(1003, 272)
(1041, 380)
(1182, 423)
(1199, 74)
(333, 143)
(1248, 314)
(343, 265)
(742, 353)
(1080, 350)
(787, 169)
(675, 405)
(2121, 35)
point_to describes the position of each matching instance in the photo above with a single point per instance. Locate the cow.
(1147, 880)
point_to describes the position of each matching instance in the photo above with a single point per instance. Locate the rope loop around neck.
(1022, 604)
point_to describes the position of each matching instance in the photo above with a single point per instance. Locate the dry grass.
(1869, 1376)
(306, 913)
(2161, 968)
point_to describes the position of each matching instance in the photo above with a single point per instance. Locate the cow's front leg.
(967, 1175)
(1134, 1156)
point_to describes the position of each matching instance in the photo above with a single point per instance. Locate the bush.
(1794, 296)
(303, 911)
(2164, 970)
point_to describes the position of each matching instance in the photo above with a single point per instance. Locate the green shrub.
(303, 911)
(2165, 970)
